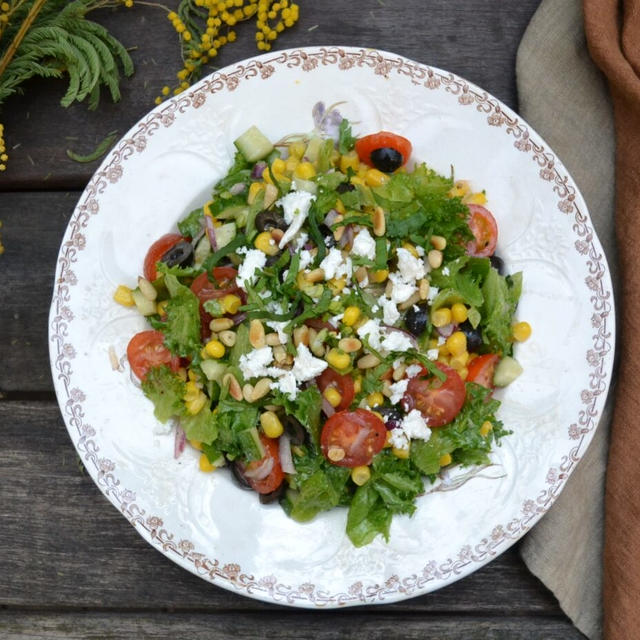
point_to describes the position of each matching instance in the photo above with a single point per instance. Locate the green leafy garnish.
(166, 390)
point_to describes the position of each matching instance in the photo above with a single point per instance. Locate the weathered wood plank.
(475, 39)
(64, 543)
(279, 625)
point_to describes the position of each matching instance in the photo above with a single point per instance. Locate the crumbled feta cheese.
(335, 265)
(278, 327)
(420, 250)
(295, 206)
(254, 363)
(396, 341)
(364, 245)
(375, 308)
(445, 271)
(335, 320)
(401, 290)
(410, 267)
(441, 340)
(306, 366)
(413, 370)
(242, 250)
(286, 383)
(299, 241)
(415, 426)
(389, 310)
(433, 292)
(398, 439)
(432, 354)
(305, 259)
(371, 331)
(398, 389)
(253, 261)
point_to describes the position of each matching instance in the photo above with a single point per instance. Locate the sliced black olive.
(266, 498)
(180, 255)
(386, 159)
(474, 337)
(497, 263)
(294, 429)
(343, 187)
(270, 220)
(238, 475)
(393, 416)
(330, 241)
(415, 319)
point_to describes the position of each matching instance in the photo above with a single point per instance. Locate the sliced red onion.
(330, 218)
(179, 442)
(347, 237)
(239, 318)
(447, 330)
(211, 232)
(286, 459)
(258, 169)
(237, 188)
(134, 378)
(261, 471)
(327, 408)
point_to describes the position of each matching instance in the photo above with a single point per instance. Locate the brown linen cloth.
(613, 34)
(564, 97)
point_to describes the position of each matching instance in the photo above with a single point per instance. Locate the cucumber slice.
(253, 144)
(306, 185)
(145, 306)
(213, 369)
(313, 149)
(507, 370)
(225, 234)
(202, 250)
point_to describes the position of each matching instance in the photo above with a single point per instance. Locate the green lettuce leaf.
(201, 427)
(182, 326)
(166, 390)
(501, 295)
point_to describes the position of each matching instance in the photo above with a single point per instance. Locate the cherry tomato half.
(275, 476)
(344, 385)
(439, 401)
(481, 370)
(156, 251)
(146, 350)
(360, 434)
(386, 162)
(485, 232)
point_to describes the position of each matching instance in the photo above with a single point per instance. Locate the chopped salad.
(331, 325)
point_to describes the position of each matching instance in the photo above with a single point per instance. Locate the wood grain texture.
(70, 546)
(278, 626)
(475, 39)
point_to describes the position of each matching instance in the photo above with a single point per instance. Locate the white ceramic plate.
(167, 164)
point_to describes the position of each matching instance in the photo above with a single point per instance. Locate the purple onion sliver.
(179, 442)
(211, 232)
(327, 408)
(331, 216)
(258, 169)
(238, 318)
(447, 330)
(286, 459)
(237, 188)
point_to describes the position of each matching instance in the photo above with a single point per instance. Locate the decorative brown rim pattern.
(599, 357)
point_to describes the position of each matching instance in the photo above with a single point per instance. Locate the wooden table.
(71, 566)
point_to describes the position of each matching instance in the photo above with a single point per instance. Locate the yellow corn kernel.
(340, 207)
(357, 384)
(204, 464)
(361, 475)
(351, 316)
(161, 307)
(231, 303)
(191, 388)
(305, 171)
(375, 178)
(195, 406)
(457, 342)
(338, 359)
(460, 189)
(254, 191)
(349, 161)
(445, 460)
(266, 176)
(182, 374)
(123, 296)
(380, 275)
(521, 331)
(387, 441)
(278, 167)
(441, 317)
(357, 180)
(291, 164)
(297, 149)
(265, 243)
(403, 454)
(411, 249)
(476, 198)
(193, 376)
(459, 361)
(374, 399)
(214, 349)
(196, 444)
(463, 373)
(486, 428)
(337, 285)
(333, 396)
(271, 424)
(459, 312)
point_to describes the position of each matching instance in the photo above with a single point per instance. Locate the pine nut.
(410, 302)
(272, 339)
(314, 276)
(220, 324)
(423, 289)
(386, 389)
(147, 289)
(379, 222)
(434, 258)
(388, 290)
(438, 242)
(228, 338)
(279, 354)
(361, 275)
(368, 361)
(235, 391)
(261, 389)
(256, 334)
(277, 234)
(350, 345)
(398, 372)
(247, 392)
(301, 336)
